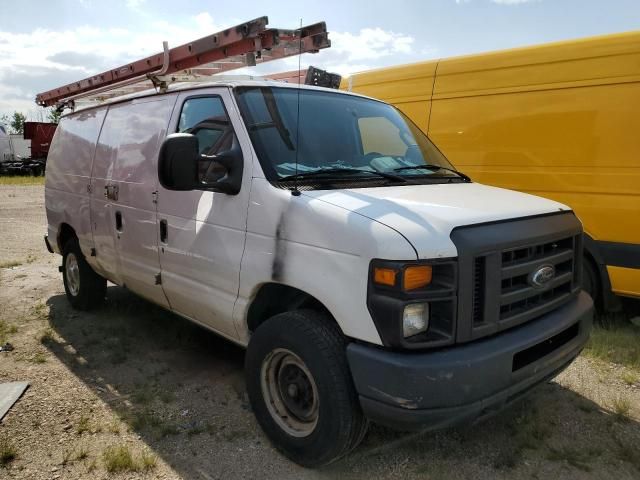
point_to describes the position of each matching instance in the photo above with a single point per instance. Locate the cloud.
(44, 59)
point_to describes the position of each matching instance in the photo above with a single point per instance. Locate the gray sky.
(46, 43)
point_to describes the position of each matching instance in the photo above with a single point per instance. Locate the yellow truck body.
(560, 120)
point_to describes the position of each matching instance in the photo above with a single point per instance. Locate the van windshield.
(339, 136)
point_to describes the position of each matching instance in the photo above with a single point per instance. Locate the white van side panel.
(319, 248)
(68, 177)
(5, 146)
(125, 229)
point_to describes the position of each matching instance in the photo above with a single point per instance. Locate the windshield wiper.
(428, 166)
(339, 170)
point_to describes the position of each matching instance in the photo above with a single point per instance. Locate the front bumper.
(442, 388)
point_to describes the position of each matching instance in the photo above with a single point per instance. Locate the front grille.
(507, 296)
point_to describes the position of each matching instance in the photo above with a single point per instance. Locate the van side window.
(207, 119)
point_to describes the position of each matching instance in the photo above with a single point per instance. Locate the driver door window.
(207, 119)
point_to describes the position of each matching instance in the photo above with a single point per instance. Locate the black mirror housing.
(178, 165)
(178, 162)
(231, 161)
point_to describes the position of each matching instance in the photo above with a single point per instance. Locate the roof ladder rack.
(248, 44)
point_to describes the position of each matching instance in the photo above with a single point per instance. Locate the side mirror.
(231, 163)
(178, 162)
(179, 165)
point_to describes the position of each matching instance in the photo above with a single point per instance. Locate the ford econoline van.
(323, 231)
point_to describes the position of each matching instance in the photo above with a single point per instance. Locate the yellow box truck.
(560, 120)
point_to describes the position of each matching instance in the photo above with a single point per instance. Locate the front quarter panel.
(316, 247)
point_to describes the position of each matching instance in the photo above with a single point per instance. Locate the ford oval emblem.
(542, 276)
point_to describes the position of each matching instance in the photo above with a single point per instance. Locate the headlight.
(415, 319)
(413, 303)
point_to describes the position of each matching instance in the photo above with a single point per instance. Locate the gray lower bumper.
(449, 386)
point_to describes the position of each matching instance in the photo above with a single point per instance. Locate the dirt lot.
(132, 391)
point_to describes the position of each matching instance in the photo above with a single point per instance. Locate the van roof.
(229, 82)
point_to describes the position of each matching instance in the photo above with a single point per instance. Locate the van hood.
(426, 214)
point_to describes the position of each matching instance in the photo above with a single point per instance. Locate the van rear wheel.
(85, 289)
(301, 390)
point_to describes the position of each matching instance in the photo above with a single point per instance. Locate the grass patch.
(574, 456)
(621, 407)
(618, 344)
(21, 180)
(118, 459)
(627, 452)
(48, 337)
(83, 425)
(38, 358)
(10, 263)
(74, 455)
(6, 330)
(630, 378)
(8, 452)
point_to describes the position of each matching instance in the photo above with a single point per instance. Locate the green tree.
(54, 115)
(17, 122)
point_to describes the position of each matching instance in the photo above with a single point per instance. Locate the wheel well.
(66, 232)
(274, 298)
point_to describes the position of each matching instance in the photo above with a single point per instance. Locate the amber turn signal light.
(417, 277)
(384, 276)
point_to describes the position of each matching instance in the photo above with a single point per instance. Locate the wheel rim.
(290, 392)
(73, 274)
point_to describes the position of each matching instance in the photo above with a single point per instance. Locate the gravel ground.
(136, 376)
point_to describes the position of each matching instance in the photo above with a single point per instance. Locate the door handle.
(119, 221)
(163, 231)
(111, 192)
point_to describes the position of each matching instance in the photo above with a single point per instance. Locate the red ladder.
(247, 44)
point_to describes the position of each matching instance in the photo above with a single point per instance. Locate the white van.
(322, 230)
(6, 149)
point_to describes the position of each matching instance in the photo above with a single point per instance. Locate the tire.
(322, 418)
(85, 289)
(590, 280)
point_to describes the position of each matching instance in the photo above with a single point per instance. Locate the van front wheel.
(85, 289)
(301, 390)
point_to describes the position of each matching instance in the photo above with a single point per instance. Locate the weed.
(31, 258)
(621, 407)
(630, 378)
(143, 395)
(114, 426)
(6, 330)
(197, 430)
(168, 429)
(10, 263)
(167, 396)
(83, 425)
(8, 452)
(618, 344)
(627, 451)
(144, 418)
(38, 358)
(48, 336)
(576, 457)
(148, 461)
(39, 310)
(118, 458)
